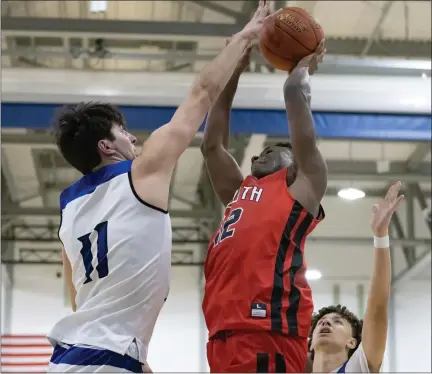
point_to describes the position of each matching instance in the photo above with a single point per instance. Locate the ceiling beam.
(210, 5)
(331, 191)
(338, 170)
(351, 176)
(359, 170)
(330, 240)
(333, 64)
(191, 30)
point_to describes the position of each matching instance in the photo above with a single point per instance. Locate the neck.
(109, 161)
(327, 362)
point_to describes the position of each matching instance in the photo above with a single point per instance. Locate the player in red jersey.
(257, 303)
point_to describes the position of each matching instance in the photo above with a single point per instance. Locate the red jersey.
(255, 268)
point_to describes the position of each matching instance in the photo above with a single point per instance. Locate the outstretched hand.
(313, 60)
(259, 19)
(382, 211)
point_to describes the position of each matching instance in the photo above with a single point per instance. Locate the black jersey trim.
(278, 282)
(278, 291)
(296, 264)
(280, 363)
(141, 200)
(262, 363)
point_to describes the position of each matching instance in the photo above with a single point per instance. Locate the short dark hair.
(78, 129)
(284, 144)
(345, 313)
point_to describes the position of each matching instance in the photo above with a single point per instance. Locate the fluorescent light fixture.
(351, 193)
(98, 6)
(313, 274)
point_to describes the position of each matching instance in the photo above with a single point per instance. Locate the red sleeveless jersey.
(255, 268)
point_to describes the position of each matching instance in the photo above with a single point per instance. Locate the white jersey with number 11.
(119, 248)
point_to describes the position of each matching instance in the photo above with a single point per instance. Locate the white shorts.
(88, 359)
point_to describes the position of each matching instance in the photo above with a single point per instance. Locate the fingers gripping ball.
(293, 34)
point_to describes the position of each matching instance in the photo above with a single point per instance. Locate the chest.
(254, 212)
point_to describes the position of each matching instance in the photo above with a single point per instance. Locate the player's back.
(119, 248)
(255, 268)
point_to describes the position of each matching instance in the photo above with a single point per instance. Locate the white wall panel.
(176, 342)
(38, 299)
(413, 327)
(330, 92)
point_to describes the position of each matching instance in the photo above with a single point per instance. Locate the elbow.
(207, 148)
(204, 148)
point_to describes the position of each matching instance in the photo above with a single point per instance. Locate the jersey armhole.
(357, 363)
(139, 198)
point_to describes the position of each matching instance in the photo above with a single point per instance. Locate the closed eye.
(266, 152)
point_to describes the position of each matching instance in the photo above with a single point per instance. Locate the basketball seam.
(313, 29)
(284, 58)
(309, 50)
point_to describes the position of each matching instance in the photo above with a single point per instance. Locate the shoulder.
(302, 191)
(88, 183)
(357, 363)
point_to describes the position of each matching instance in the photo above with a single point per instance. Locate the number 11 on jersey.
(102, 252)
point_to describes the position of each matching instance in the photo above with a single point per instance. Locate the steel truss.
(112, 28)
(194, 234)
(51, 256)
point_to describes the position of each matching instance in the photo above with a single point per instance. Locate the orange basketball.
(293, 35)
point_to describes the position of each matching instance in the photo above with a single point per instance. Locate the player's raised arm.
(163, 148)
(374, 335)
(311, 165)
(224, 172)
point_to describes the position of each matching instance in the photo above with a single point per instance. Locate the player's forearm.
(381, 282)
(215, 76)
(375, 321)
(216, 131)
(297, 95)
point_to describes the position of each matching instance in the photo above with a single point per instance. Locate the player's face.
(333, 334)
(123, 143)
(271, 160)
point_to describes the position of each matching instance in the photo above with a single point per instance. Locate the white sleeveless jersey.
(120, 251)
(357, 363)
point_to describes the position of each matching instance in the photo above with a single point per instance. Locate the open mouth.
(325, 330)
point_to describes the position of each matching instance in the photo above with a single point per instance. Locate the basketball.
(294, 34)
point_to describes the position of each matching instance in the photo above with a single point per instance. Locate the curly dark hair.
(78, 129)
(345, 313)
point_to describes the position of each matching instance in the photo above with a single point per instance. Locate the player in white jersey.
(339, 341)
(115, 227)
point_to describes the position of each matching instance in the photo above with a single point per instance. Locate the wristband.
(382, 242)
